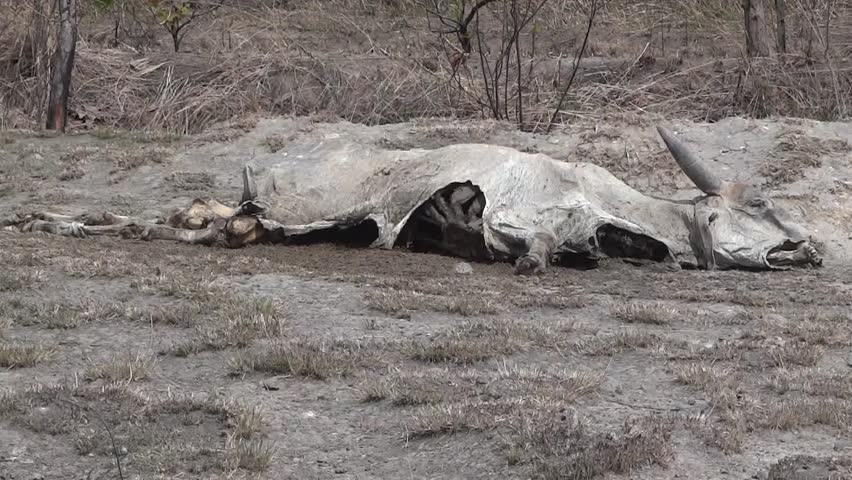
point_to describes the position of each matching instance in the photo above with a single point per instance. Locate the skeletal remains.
(479, 202)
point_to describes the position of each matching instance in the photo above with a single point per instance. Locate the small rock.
(464, 268)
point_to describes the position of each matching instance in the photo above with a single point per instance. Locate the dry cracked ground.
(130, 359)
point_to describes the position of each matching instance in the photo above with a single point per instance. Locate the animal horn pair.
(692, 166)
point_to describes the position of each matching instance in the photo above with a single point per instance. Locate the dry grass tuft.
(699, 375)
(122, 369)
(510, 381)
(254, 455)
(236, 322)
(191, 181)
(650, 313)
(137, 157)
(180, 286)
(65, 316)
(181, 315)
(169, 437)
(808, 382)
(642, 442)
(821, 328)
(395, 302)
(802, 354)
(623, 341)
(479, 340)
(795, 152)
(804, 467)
(798, 413)
(305, 358)
(23, 356)
(406, 388)
(14, 280)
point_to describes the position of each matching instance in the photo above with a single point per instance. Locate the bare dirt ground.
(321, 361)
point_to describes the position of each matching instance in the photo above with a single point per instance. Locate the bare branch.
(592, 14)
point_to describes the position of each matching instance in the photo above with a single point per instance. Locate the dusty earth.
(132, 359)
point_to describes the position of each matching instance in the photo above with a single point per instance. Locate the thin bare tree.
(756, 28)
(63, 65)
(781, 25)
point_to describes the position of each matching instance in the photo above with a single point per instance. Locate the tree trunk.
(756, 28)
(63, 64)
(781, 27)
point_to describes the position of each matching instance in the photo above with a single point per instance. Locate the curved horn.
(692, 166)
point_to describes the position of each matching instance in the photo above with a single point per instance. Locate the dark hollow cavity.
(615, 242)
(449, 223)
(360, 235)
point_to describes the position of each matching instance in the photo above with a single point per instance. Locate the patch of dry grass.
(789, 354)
(803, 467)
(201, 181)
(14, 280)
(254, 455)
(810, 382)
(181, 314)
(318, 359)
(125, 160)
(620, 342)
(795, 152)
(479, 340)
(235, 322)
(470, 296)
(644, 312)
(171, 436)
(122, 369)
(194, 288)
(395, 302)
(642, 442)
(803, 412)
(16, 355)
(831, 329)
(65, 316)
(418, 387)
(407, 387)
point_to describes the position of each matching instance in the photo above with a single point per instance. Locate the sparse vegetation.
(16, 355)
(235, 322)
(97, 421)
(479, 340)
(316, 359)
(611, 344)
(13, 280)
(122, 369)
(651, 313)
(569, 374)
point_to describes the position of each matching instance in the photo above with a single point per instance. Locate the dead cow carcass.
(481, 202)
